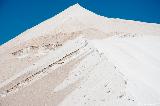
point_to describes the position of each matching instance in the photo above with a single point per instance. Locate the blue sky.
(18, 15)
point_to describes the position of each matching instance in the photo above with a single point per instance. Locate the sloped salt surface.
(98, 80)
(39, 68)
(138, 58)
(54, 58)
(100, 85)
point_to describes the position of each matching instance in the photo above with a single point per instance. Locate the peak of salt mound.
(76, 9)
(76, 6)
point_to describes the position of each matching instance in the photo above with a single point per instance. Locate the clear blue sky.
(18, 15)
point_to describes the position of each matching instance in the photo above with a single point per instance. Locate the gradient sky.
(18, 15)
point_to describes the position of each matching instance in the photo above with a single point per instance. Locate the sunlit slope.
(79, 58)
